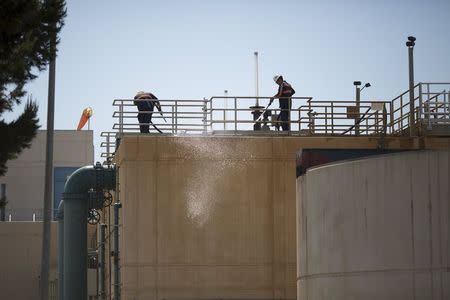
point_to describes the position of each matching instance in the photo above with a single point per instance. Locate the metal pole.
(447, 104)
(121, 118)
(205, 116)
(358, 105)
(257, 78)
(102, 262)
(2, 202)
(235, 114)
(410, 44)
(117, 207)
(173, 124)
(225, 110)
(176, 116)
(108, 150)
(48, 189)
(420, 101)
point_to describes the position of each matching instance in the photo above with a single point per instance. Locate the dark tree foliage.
(26, 29)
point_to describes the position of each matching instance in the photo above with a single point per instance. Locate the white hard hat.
(276, 77)
(140, 93)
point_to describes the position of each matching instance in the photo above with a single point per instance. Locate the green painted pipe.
(76, 207)
(60, 218)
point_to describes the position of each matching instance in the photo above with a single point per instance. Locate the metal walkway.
(308, 117)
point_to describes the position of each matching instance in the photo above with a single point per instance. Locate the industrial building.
(24, 180)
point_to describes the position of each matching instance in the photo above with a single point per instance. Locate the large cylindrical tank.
(375, 228)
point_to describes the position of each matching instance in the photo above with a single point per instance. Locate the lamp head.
(356, 83)
(367, 85)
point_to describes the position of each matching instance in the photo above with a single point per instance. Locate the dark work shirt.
(285, 91)
(145, 105)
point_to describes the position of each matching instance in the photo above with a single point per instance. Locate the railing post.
(121, 118)
(310, 117)
(205, 109)
(447, 105)
(420, 102)
(224, 116)
(210, 115)
(108, 153)
(326, 120)
(332, 118)
(401, 112)
(173, 125)
(176, 116)
(235, 114)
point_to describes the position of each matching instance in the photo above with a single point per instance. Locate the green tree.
(26, 27)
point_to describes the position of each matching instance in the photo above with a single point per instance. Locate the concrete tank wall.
(207, 217)
(376, 228)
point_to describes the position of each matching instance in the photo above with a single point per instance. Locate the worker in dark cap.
(145, 103)
(284, 94)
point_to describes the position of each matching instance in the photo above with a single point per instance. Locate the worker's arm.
(277, 95)
(158, 106)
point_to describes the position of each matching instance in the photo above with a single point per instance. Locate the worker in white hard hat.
(284, 94)
(145, 103)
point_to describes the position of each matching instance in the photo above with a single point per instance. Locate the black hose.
(357, 123)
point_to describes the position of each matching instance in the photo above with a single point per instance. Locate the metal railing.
(199, 116)
(186, 116)
(108, 145)
(237, 115)
(234, 114)
(343, 117)
(27, 214)
(431, 106)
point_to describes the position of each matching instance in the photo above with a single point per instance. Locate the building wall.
(207, 217)
(26, 175)
(375, 228)
(20, 252)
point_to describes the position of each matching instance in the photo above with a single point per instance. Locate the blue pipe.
(76, 207)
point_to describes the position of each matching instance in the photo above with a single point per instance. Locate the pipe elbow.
(60, 213)
(85, 178)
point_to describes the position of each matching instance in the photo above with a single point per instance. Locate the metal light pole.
(410, 44)
(358, 101)
(256, 78)
(48, 190)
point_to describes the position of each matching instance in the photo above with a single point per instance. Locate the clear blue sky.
(194, 49)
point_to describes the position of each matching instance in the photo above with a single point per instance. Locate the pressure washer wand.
(263, 112)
